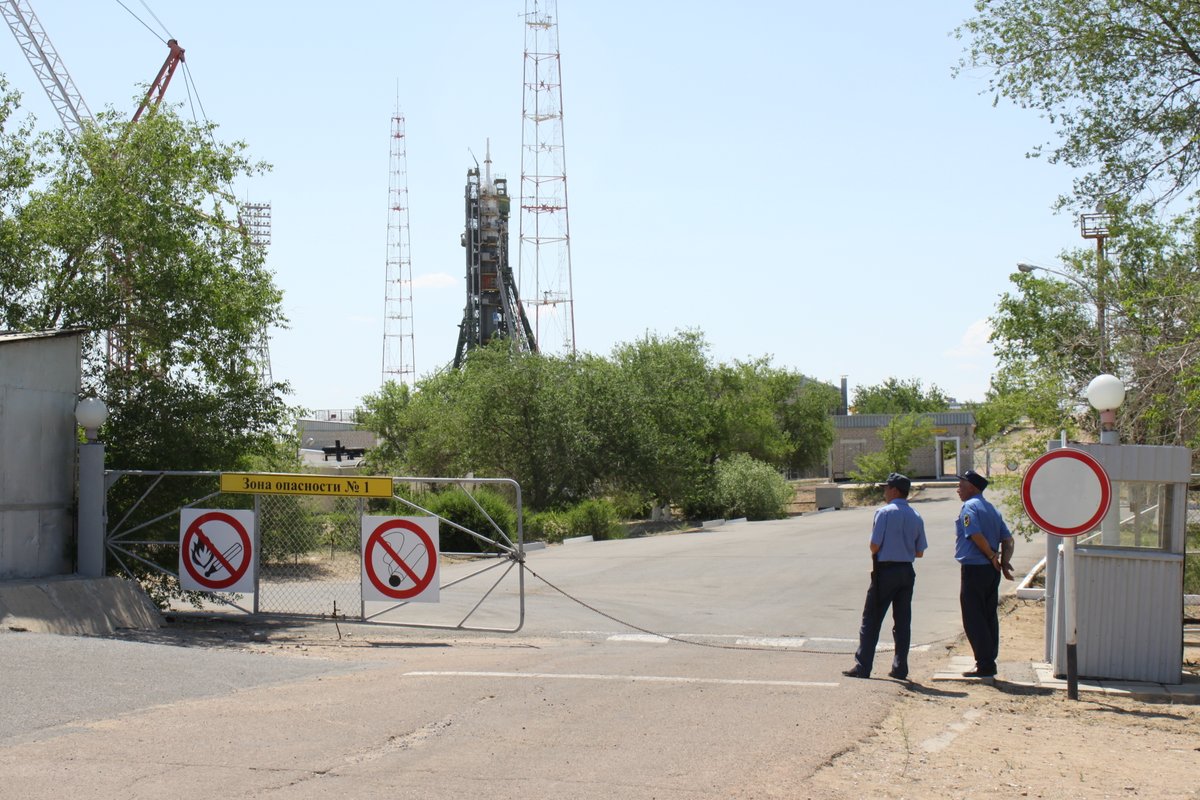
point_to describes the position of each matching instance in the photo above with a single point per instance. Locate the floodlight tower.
(255, 220)
(493, 308)
(398, 345)
(544, 261)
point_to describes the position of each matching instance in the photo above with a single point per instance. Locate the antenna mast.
(255, 220)
(398, 345)
(544, 260)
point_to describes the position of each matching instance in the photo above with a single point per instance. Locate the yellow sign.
(279, 483)
(938, 431)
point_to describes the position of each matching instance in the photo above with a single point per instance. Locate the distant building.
(951, 452)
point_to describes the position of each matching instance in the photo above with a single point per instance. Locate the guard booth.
(1128, 574)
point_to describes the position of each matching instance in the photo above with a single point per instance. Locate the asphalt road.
(574, 705)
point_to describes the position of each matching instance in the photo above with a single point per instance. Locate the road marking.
(631, 678)
(638, 637)
(776, 641)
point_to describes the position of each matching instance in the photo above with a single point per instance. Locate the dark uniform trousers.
(892, 585)
(978, 597)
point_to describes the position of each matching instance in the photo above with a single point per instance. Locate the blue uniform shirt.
(978, 516)
(899, 531)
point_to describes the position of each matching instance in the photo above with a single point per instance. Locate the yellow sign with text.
(280, 483)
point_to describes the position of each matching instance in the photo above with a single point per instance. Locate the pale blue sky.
(801, 180)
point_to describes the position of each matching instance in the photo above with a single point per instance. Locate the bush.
(459, 507)
(746, 487)
(547, 526)
(595, 518)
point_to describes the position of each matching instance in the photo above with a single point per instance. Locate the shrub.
(746, 487)
(595, 518)
(547, 526)
(459, 507)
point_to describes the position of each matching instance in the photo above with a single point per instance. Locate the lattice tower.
(255, 220)
(544, 260)
(399, 350)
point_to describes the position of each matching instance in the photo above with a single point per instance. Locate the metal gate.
(308, 548)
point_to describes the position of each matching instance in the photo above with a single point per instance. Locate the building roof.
(881, 420)
(25, 336)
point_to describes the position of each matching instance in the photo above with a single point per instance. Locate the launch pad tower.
(493, 307)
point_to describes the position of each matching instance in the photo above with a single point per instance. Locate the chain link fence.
(309, 547)
(1191, 561)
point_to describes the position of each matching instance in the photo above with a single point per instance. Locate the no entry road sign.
(1066, 492)
(216, 550)
(400, 559)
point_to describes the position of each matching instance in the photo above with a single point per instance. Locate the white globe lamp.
(91, 413)
(1106, 393)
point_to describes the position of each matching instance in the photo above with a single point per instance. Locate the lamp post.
(1096, 298)
(1106, 393)
(91, 413)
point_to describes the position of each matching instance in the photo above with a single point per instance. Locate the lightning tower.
(544, 261)
(255, 220)
(398, 345)
(493, 308)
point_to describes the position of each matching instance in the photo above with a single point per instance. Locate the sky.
(798, 180)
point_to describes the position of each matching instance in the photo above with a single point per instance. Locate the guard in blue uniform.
(897, 539)
(983, 547)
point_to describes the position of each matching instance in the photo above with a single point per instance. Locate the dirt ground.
(960, 740)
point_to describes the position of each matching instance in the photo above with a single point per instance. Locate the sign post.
(1066, 493)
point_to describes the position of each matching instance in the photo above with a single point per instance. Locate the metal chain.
(627, 624)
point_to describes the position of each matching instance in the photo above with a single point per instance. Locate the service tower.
(493, 306)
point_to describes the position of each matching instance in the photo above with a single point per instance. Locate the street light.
(1106, 393)
(1096, 298)
(91, 413)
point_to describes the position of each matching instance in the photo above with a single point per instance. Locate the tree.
(123, 230)
(1118, 77)
(673, 417)
(896, 396)
(1047, 343)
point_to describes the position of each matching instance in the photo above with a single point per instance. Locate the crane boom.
(163, 79)
(47, 64)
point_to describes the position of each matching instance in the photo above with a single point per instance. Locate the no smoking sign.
(400, 559)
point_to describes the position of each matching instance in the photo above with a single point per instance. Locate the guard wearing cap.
(984, 548)
(897, 539)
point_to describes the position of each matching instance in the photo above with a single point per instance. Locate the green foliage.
(595, 517)
(646, 425)
(746, 487)
(476, 511)
(1191, 562)
(904, 434)
(123, 230)
(1116, 76)
(547, 526)
(896, 396)
(1047, 340)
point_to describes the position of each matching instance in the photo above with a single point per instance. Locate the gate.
(307, 548)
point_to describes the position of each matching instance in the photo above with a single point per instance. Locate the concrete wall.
(39, 384)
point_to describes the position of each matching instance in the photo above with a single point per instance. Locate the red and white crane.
(53, 75)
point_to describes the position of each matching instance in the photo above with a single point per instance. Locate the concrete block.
(75, 605)
(829, 497)
(578, 539)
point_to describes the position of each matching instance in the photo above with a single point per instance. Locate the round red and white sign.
(1066, 492)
